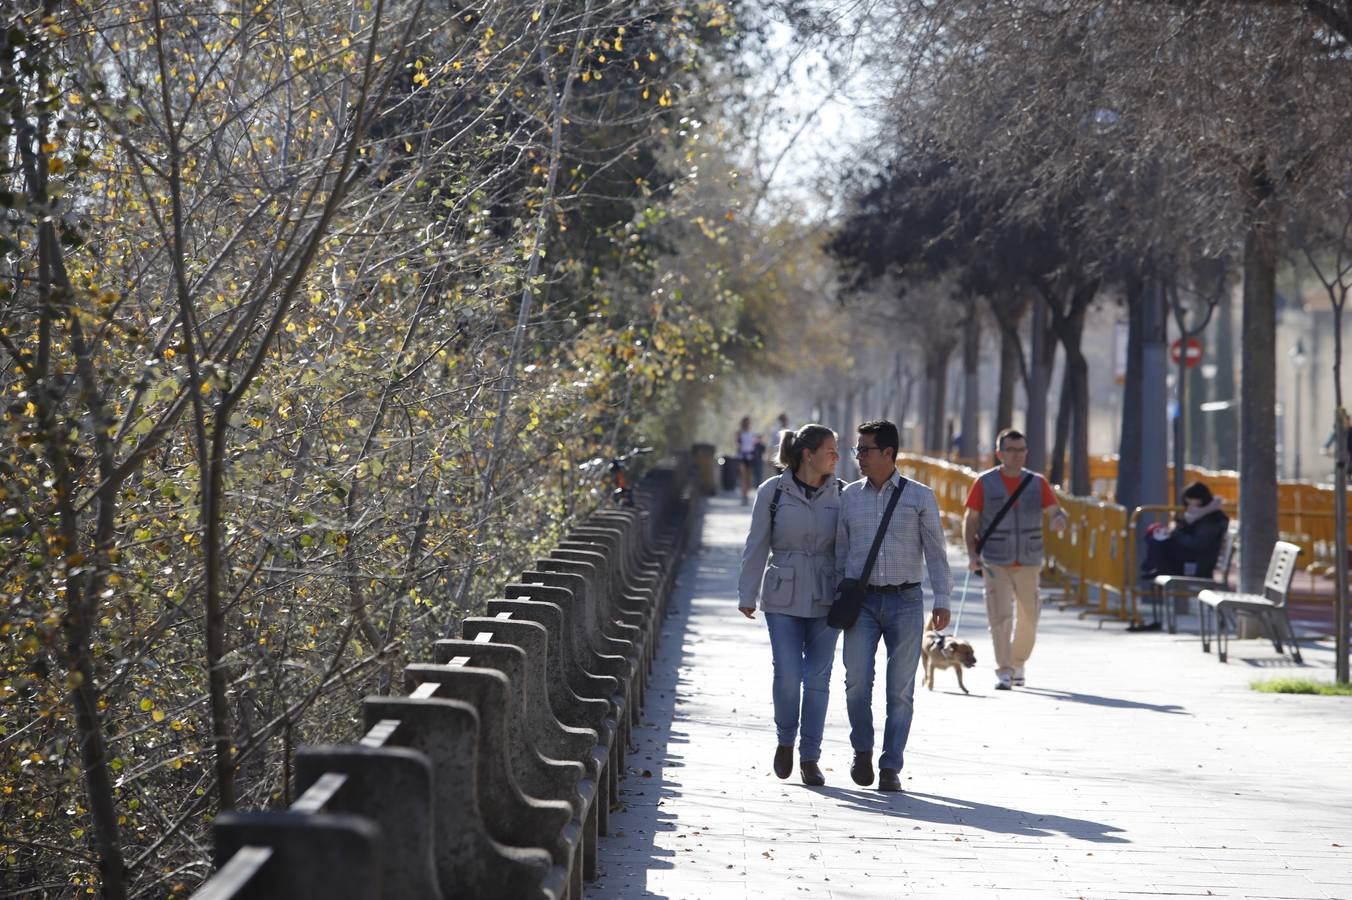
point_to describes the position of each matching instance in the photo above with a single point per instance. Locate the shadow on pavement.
(1110, 702)
(943, 810)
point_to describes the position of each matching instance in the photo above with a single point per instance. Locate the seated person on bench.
(1192, 546)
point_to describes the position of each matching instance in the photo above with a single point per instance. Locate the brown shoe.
(861, 770)
(889, 780)
(783, 761)
(812, 773)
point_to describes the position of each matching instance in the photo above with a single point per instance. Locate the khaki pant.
(1006, 586)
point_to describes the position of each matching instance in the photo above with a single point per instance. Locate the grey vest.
(1018, 537)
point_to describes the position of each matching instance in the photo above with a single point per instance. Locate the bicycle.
(621, 494)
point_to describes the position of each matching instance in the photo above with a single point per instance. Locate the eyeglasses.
(863, 451)
(1014, 450)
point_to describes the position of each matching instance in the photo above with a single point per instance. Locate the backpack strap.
(774, 508)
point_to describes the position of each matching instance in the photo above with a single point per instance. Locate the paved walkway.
(1132, 764)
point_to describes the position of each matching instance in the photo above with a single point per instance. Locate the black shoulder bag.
(981, 541)
(850, 593)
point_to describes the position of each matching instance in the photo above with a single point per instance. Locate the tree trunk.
(1036, 420)
(1154, 487)
(1258, 400)
(1128, 489)
(1008, 311)
(1225, 422)
(1072, 424)
(1077, 368)
(847, 419)
(1197, 430)
(936, 381)
(1340, 537)
(1064, 411)
(971, 387)
(1010, 376)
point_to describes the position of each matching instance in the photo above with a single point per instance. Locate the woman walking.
(789, 565)
(746, 456)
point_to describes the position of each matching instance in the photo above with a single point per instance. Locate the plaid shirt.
(914, 532)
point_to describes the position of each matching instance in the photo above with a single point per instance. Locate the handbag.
(850, 593)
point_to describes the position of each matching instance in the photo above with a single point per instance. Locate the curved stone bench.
(494, 777)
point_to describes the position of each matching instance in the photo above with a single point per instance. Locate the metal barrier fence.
(1096, 559)
(493, 776)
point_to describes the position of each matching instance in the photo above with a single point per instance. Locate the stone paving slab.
(1132, 765)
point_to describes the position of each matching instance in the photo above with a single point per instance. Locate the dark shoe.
(889, 780)
(812, 773)
(861, 770)
(783, 761)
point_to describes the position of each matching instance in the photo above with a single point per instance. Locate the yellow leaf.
(158, 715)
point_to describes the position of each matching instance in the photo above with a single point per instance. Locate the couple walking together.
(809, 531)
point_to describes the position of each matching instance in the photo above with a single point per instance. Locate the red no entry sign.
(1194, 352)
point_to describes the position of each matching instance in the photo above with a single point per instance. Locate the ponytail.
(793, 443)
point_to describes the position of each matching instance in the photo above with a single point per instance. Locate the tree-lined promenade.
(1040, 159)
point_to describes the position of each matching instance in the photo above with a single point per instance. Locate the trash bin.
(730, 467)
(702, 460)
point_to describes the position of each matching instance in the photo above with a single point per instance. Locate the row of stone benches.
(493, 776)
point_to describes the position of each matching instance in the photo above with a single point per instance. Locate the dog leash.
(962, 601)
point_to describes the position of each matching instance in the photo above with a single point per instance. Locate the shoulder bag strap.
(981, 542)
(882, 530)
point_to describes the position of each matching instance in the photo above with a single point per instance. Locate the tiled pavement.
(1132, 764)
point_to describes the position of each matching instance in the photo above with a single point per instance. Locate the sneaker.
(1017, 681)
(1005, 683)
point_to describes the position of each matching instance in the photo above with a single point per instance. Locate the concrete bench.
(514, 814)
(593, 700)
(546, 765)
(569, 726)
(493, 778)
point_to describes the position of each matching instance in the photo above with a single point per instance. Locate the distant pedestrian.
(793, 528)
(893, 608)
(1331, 447)
(782, 428)
(1003, 533)
(758, 460)
(745, 441)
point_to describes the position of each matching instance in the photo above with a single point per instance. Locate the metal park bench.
(1269, 607)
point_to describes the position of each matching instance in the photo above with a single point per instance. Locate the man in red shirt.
(1010, 551)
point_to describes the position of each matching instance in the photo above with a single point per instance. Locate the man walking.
(1003, 533)
(893, 609)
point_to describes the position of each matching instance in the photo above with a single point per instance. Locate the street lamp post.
(1209, 371)
(1298, 361)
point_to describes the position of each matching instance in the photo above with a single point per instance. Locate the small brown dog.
(939, 651)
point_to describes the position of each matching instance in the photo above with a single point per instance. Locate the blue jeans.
(804, 650)
(898, 619)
